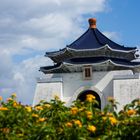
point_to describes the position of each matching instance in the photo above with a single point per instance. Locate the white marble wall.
(101, 83)
(126, 90)
(72, 84)
(47, 90)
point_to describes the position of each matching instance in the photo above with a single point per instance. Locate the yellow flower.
(90, 97)
(41, 119)
(89, 115)
(109, 114)
(56, 97)
(91, 128)
(110, 99)
(82, 109)
(20, 135)
(39, 108)
(102, 113)
(0, 98)
(3, 108)
(15, 104)
(74, 110)
(35, 115)
(14, 95)
(77, 122)
(47, 105)
(28, 108)
(69, 124)
(113, 120)
(104, 118)
(131, 112)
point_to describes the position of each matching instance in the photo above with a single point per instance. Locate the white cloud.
(6, 73)
(37, 25)
(26, 77)
(112, 35)
(21, 78)
(47, 21)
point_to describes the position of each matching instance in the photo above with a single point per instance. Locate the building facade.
(93, 64)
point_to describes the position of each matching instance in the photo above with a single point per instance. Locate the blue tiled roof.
(92, 60)
(50, 67)
(94, 39)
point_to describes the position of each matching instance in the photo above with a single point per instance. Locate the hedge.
(81, 121)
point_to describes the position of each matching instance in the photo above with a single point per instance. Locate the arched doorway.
(82, 97)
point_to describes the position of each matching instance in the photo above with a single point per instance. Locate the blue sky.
(29, 28)
(123, 18)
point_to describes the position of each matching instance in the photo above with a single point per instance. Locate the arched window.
(82, 96)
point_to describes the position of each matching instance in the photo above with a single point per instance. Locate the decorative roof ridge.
(101, 57)
(61, 51)
(104, 61)
(58, 65)
(124, 65)
(67, 64)
(55, 53)
(105, 46)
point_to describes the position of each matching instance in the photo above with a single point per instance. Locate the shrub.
(80, 121)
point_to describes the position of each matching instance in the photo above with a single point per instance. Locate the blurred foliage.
(81, 121)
